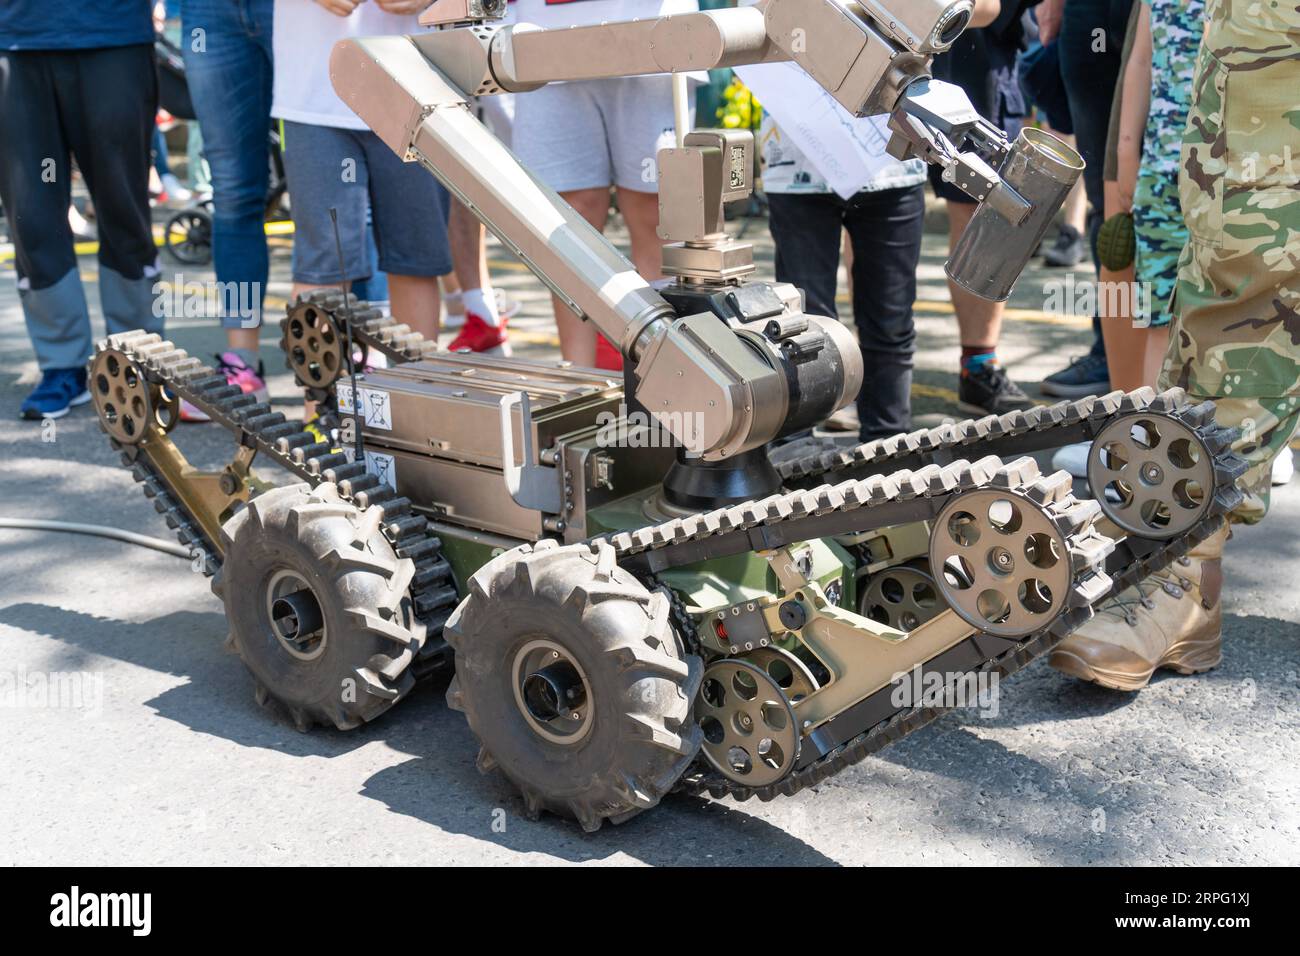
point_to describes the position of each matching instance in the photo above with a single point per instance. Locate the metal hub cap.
(295, 615)
(751, 734)
(1003, 566)
(122, 396)
(552, 692)
(1150, 476)
(901, 597)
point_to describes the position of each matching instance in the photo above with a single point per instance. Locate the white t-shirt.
(787, 170)
(304, 34)
(586, 12)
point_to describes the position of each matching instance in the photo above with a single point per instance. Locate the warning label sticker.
(383, 467)
(376, 410)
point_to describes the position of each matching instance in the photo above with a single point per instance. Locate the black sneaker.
(1068, 250)
(1084, 376)
(988, 390)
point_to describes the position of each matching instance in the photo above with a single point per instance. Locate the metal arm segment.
(688, 365)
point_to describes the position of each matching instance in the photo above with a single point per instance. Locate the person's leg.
(158, 145)
(1136, 341)
(228, 67)
(1124, 353)
(109, 122)
(979, 321)
(410, 215)
(805, 231)
(484, 328)
(313, 156)
(641, 214)
(36, 188)
(1090, 48)
(577, 336)
(984, 387)
(638, 113)
(886, 229)
(1230, 343)
(560, 135)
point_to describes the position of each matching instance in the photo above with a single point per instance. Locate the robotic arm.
(766, 369)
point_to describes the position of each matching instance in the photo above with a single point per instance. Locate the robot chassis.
(719, 613)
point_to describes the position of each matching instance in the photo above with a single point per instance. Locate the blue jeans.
(885, 230)
(1090, 76)
(229, 70)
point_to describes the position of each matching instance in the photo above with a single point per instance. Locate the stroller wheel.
(188, 236)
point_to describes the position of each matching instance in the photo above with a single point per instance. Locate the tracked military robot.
(629, 616)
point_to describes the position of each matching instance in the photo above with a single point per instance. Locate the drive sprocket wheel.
(318, 605)
(315, 348)
(123, 397)
(1002, 562)
(903, 597)
(1152, 475)
(572, 678)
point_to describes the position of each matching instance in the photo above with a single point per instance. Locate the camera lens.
(950, 28)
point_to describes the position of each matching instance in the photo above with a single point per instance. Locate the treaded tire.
(372, 634)
(642, 735)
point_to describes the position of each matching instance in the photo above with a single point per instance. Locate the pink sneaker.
(250, 382)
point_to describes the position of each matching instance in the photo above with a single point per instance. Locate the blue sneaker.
(1084, 376)
(59, 391)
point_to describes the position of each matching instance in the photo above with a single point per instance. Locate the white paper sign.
(848, 151)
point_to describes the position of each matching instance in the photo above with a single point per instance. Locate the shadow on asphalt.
(441, 786)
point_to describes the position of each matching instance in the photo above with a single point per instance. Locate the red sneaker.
(478, 336)
(608, 357)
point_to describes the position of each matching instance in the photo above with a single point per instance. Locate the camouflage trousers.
(1236, 332)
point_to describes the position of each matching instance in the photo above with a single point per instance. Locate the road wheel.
(318, 605)
(574, 682)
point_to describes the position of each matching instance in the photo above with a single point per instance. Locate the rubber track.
(935, 480)
(433, 590)
(812, 461)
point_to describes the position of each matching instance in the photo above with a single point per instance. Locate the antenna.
(359, 449)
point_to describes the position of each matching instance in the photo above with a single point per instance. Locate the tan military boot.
(1169, 619)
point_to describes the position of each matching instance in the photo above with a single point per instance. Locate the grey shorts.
(353, 172)
(594, 133)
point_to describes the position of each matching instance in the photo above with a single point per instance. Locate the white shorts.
(590, 134)
(498, 115)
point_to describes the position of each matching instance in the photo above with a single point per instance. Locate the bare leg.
(578, 338)
(1133, 355)
(246, 339)
(414, 300)
(467, 238)
(641, 213)
(979, 321)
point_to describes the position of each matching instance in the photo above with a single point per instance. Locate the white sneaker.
(1073, 459)
(1283, 467)
(174, 189)
(507, 305)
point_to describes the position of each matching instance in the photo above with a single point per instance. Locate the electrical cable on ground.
(99, 531)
